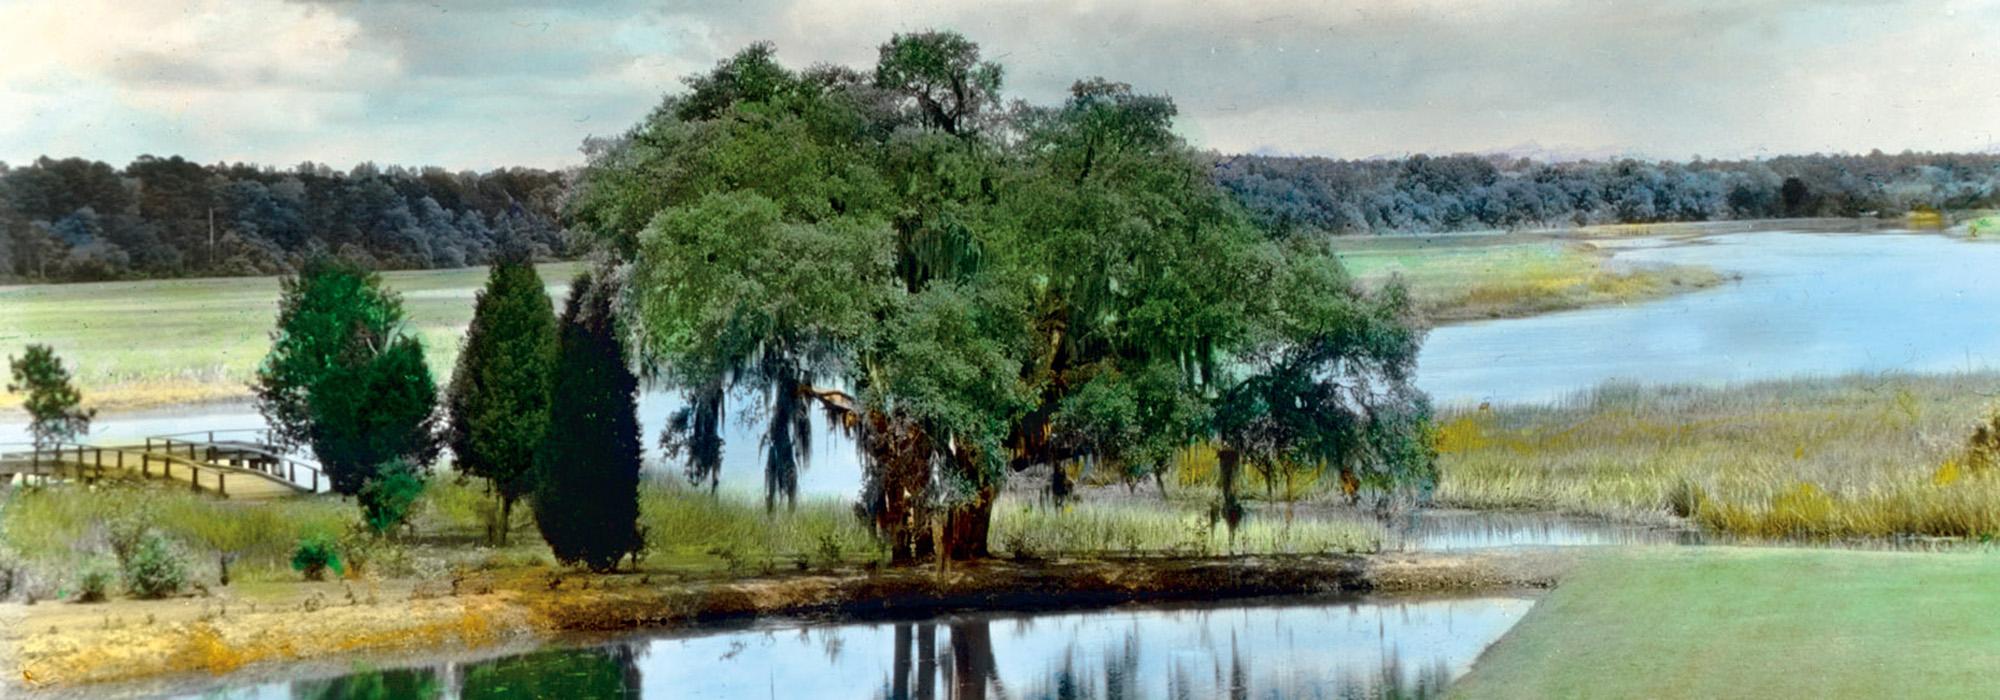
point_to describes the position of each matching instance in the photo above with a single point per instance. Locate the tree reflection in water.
(1115, 673)
(594, 672)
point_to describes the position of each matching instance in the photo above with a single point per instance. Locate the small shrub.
(156, 568)
(387, 499)
(829, 549)
(95, 584)
(315, 555)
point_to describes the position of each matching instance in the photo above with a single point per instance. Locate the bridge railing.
(256, 448)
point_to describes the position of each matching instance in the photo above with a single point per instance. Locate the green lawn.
(1756, 623)
(168, 341)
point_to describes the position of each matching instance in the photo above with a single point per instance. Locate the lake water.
(1808, 303)
(1359, 648)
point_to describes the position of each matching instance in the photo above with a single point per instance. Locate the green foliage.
(343, 376)
(498, 402)
(316, 554)
(387, 499)
(155, 568)
(54, 406)
(587, 470)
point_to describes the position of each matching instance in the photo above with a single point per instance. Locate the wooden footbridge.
(229, 463)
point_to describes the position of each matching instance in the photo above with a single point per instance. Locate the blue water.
(1361, 648)
(1807, 304)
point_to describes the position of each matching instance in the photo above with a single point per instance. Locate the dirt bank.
(57, 647)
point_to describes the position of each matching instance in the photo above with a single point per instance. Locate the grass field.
(159, 343)
(1463, 278)
(154, 343)
(1860, 456)
(1755, 623)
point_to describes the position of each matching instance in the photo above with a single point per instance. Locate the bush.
(95, 584)
(387, 499)
(156, 568)
(314, 556)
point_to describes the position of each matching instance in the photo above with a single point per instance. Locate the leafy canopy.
(343, 377)
(973, 291)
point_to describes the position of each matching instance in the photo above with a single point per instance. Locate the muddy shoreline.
(145, 647)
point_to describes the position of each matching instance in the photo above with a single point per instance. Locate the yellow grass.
(1859, 456)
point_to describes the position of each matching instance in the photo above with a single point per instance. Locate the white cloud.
(482, 84)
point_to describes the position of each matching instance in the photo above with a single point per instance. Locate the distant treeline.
(1461, 192)
(74, 219)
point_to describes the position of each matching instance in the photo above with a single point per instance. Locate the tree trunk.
(966, 527)
(506, 518)
(1229, 464)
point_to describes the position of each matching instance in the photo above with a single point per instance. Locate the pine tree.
(55, 412)
(499, 396)
(587, 470)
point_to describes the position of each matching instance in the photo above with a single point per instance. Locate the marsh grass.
(1857, 456)
(1026, 529)
(691, 526)
(162, 342)
(56, 530)
(1475, 278)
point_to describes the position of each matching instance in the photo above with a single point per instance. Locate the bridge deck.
(243, 470)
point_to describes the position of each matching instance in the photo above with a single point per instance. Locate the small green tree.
(389, 496)
(55, 412)
(498, 402)
(343, 376)
(587, 470)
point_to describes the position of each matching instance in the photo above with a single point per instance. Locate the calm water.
(1808, 304)
(1460, 530)
(1355, 649)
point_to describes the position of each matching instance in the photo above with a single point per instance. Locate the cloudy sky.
(501, 82)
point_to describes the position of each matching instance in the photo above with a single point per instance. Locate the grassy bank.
(49, 536)
(1465, 278)
(1859, 456)
(153, 343)
(1718, 622)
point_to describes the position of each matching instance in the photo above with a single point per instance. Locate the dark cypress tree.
(499, 395)
(587, 470)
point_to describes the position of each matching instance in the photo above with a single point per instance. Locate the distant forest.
(1420, 193)
(79, 220)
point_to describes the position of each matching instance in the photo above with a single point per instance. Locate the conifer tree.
(587, 471)
(499, 396)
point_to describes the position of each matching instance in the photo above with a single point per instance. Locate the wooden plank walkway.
(239, 466)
